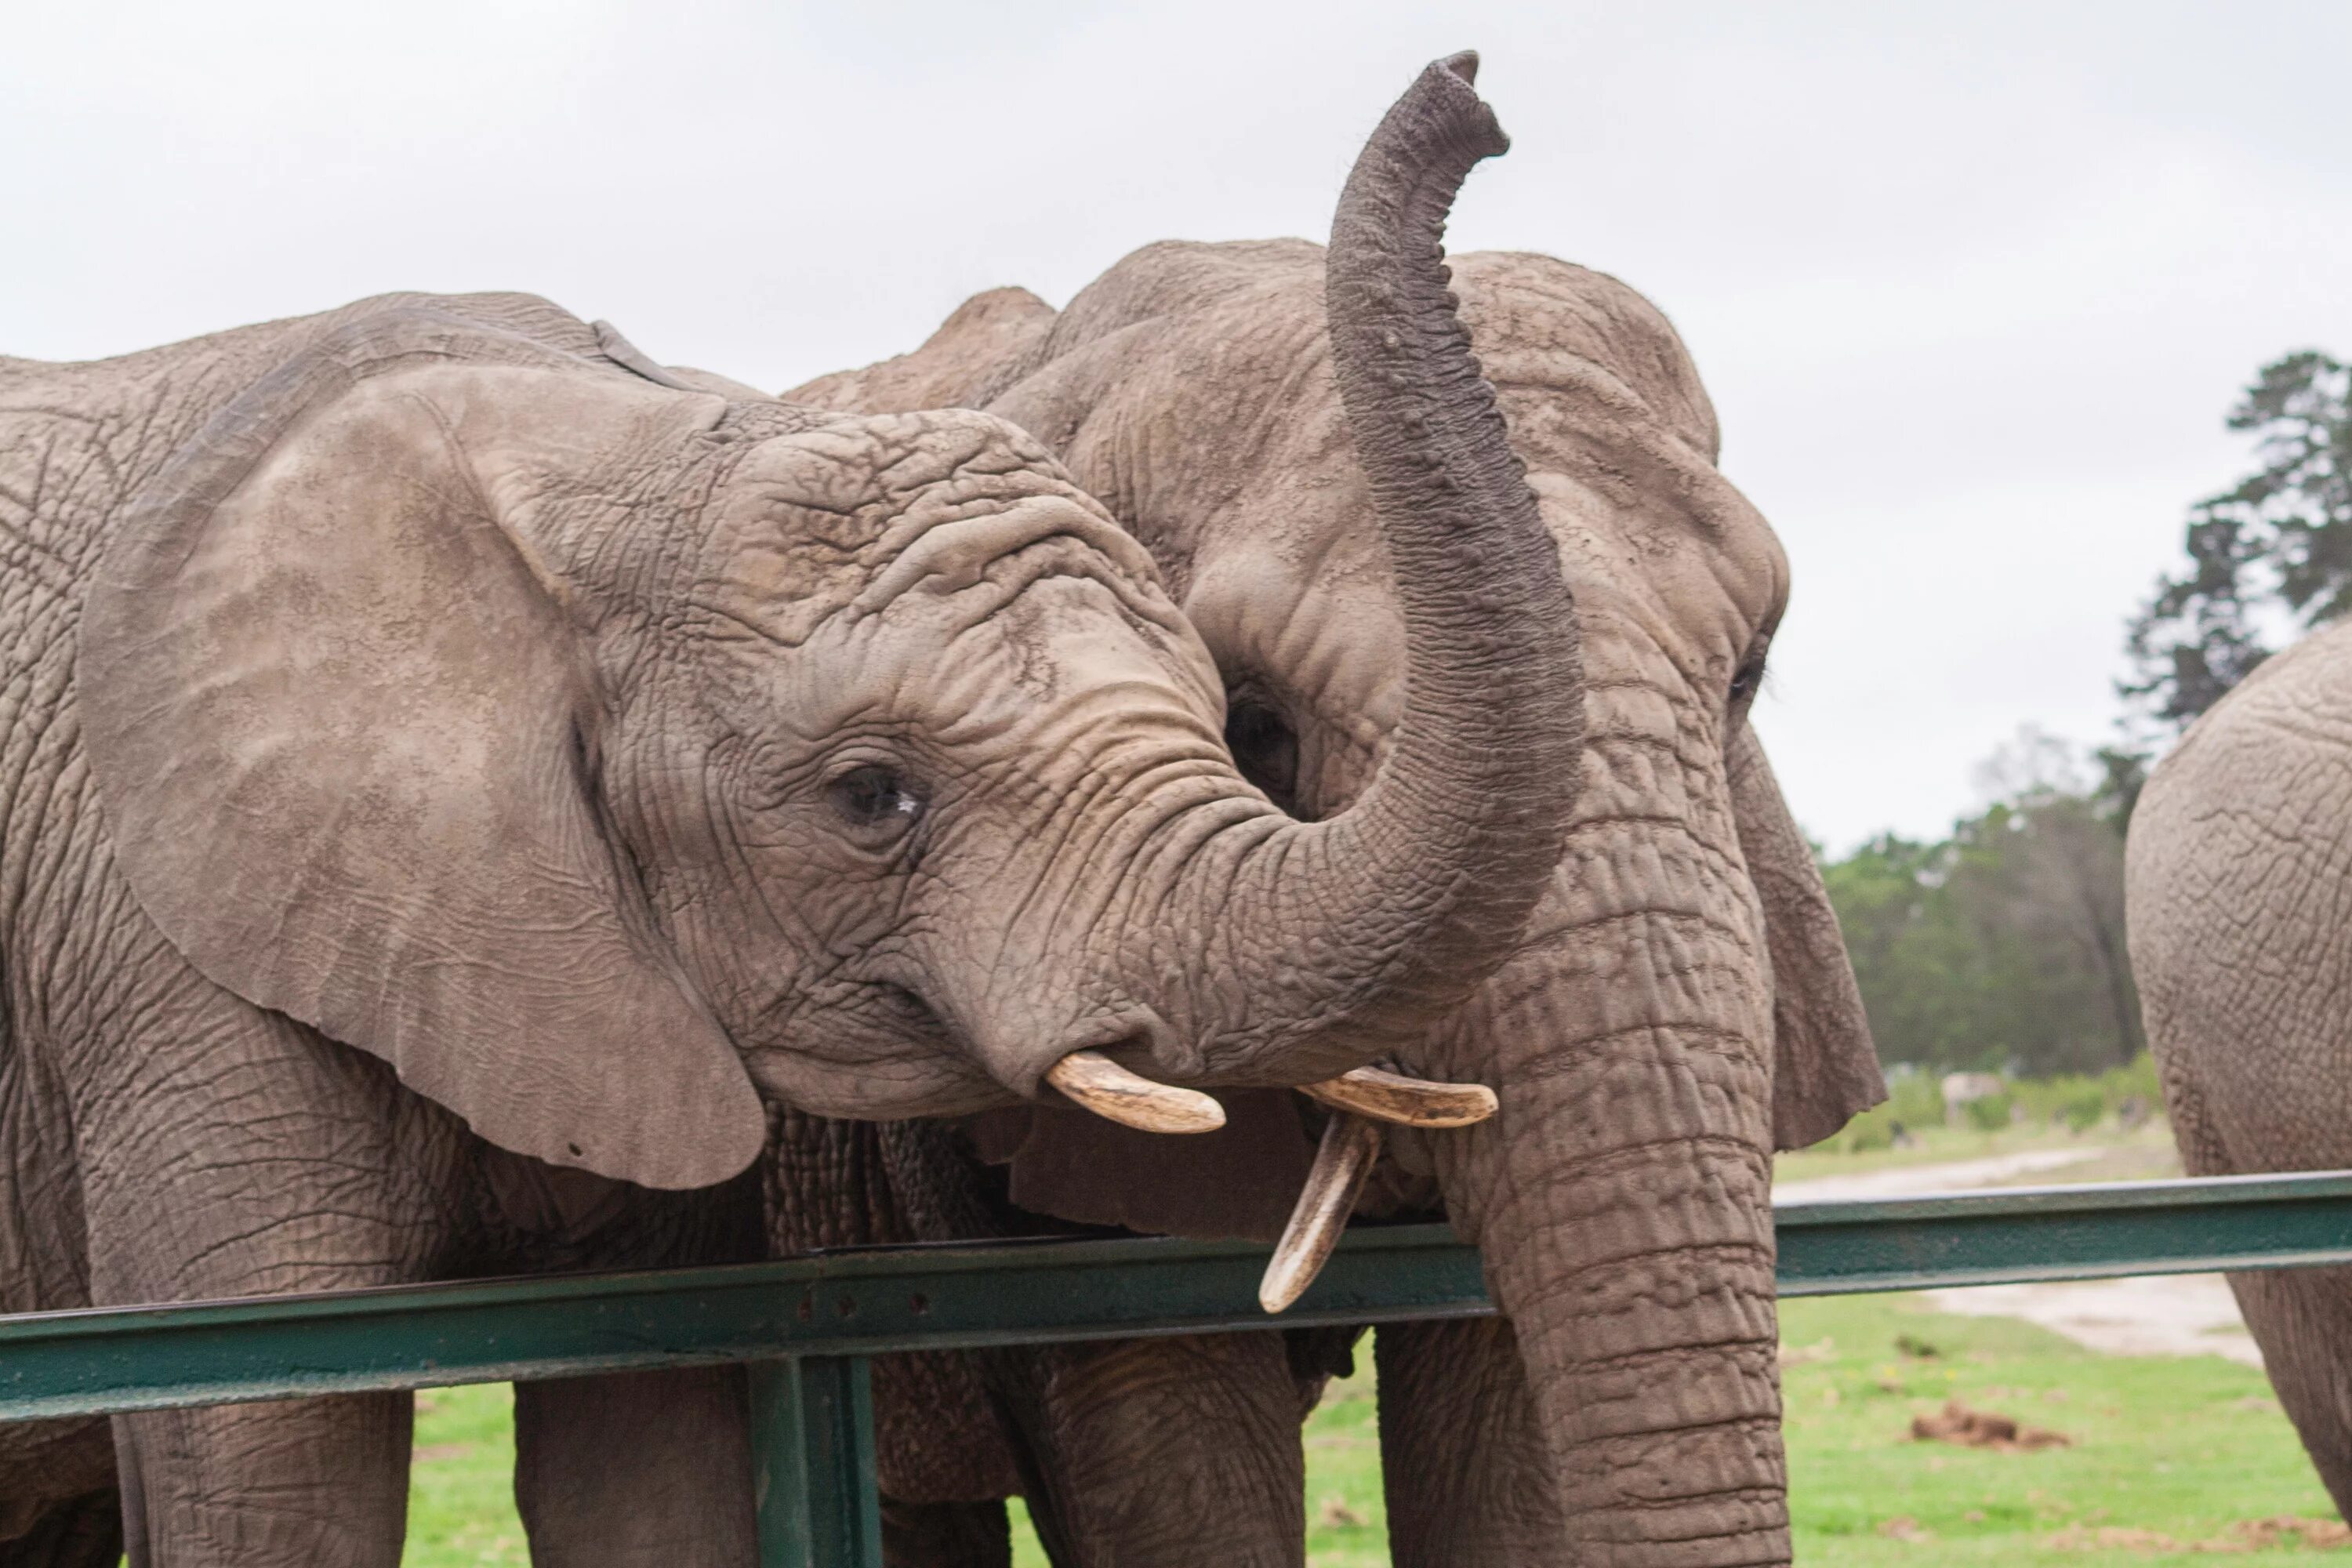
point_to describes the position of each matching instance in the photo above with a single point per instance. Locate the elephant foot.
(946, 1534)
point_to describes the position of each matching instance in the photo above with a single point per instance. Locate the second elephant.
(1681, 1005)
(2237, 872)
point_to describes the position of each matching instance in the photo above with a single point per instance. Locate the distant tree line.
(2001, 947)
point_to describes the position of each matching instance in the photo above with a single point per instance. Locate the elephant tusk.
(1111, 1090)
(1351, 1144)
(1408, 1101)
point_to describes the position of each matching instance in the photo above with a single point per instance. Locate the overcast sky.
(1972, 285)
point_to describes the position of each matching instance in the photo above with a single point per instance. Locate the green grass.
(2189, 1448)
(2184, 1448)
(461, 1509)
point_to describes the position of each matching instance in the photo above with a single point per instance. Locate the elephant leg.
(1160, 1453)
(650, 1468)
(266, 1161)
(321, 1483)
(84, 1532)
(2302, 1319)
(946, 1534)
(1467, 1477)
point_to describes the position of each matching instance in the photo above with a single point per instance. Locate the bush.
(2077, 1101)
(1915, 1099)
(2136, 1078)
(2083, 1109)
(1874, 1129)
(1989, 1114)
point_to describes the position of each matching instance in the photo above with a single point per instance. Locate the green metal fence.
(807, 1327)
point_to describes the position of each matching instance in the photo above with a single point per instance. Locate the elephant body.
(304, 1164)
(456, 770)
(2239, 851)
(1681, 1003)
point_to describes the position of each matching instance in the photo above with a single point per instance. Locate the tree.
(2002, 946)
(2277, 548)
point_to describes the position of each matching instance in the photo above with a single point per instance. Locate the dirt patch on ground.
(2245, 1535)
(1950, 1175)
(1956, 1422)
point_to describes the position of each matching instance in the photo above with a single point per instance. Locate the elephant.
(2236, 852)
(1680, 1007)
(462, 781)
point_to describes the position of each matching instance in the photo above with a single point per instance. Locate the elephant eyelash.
(1747, 677)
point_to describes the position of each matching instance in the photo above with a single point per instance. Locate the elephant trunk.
(1413, 895)
(1620, 1201)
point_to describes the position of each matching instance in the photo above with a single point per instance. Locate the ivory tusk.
(1109, 1090)
(1351, 1144)
(1408, 1101)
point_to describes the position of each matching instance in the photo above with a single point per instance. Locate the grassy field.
(2165, 1459)
(461, 1480)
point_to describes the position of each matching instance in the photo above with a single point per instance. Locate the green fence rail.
(809, 1325)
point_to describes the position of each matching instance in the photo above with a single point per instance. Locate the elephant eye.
(1266, 748)
(874, 795)
(1744, 680)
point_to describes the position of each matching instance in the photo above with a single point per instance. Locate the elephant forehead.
(854, 515)
(1056, 656)
(877, 466)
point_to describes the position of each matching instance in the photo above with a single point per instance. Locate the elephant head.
(595, 748)
(1680, 1002)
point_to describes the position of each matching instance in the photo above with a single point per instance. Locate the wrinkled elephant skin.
(456, 771)
(1680, 1003)
(2239, 863)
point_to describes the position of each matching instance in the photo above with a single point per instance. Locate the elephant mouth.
(1361, 1103)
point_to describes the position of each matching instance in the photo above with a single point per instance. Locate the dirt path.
(2164, 1314)
(1953, 1176)
(2173, 1315)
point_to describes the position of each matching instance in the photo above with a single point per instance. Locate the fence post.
(812, 1452)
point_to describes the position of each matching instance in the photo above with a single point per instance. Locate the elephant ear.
(344, 733)
(1825, 1066)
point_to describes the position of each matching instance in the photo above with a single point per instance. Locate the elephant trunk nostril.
(1100, 1085)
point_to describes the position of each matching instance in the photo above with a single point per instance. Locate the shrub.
(1989, 1114)
(1916, 1100)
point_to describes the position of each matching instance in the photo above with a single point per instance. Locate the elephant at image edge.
(1681, 1003)
(2238, 861)
(598, 750)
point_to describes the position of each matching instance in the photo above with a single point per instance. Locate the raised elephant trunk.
(1422, 886)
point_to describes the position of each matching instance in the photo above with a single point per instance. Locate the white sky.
(1971, 284)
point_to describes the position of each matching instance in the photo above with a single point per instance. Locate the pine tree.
(2275, 549)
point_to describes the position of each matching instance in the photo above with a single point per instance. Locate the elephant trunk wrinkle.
(1620, 1199)
(1414, 893)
